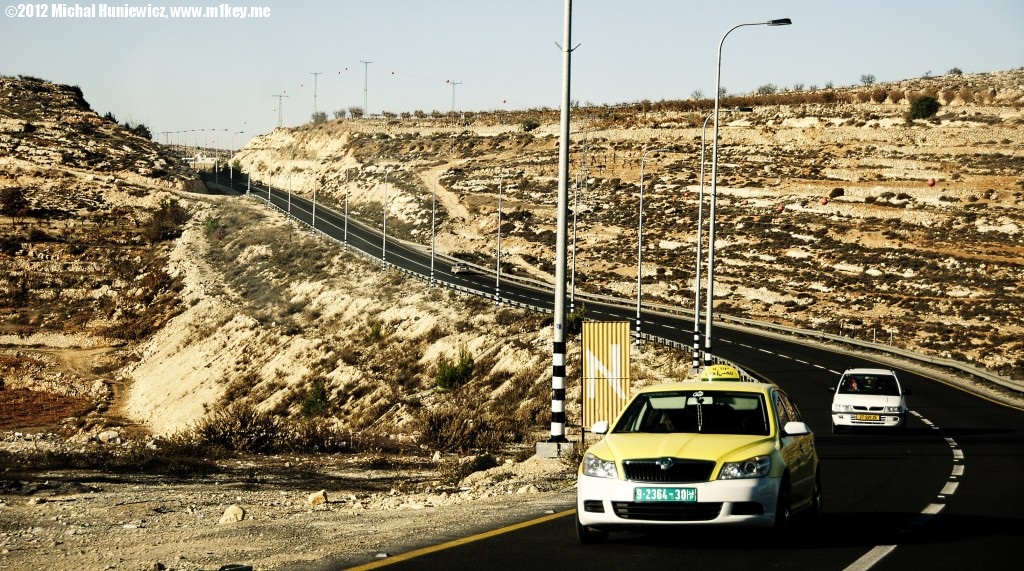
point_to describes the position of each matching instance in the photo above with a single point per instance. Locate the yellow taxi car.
(699, 453)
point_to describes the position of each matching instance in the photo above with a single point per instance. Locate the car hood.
(717, 447)
(868, 400)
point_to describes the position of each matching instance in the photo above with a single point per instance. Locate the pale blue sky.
(189, 73)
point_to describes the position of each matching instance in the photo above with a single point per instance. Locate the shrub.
(453, 375)
(210, 225)
(923, 107)
(574, 320)
(13, 201)
(315, 402)
(529, 125)
(240, 428)
(454, 470)
(166, 223)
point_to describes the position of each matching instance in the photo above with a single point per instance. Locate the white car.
(869, 397)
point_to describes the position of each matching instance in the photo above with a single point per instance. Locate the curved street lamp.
(640, 241)
(700, 228)
(714, 184)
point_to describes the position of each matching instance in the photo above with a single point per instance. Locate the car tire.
(836, 429)
(782, 509)
(589, 535)
(816, 508)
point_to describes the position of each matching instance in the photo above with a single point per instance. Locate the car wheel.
(782, 509)
(836, 429)
(816, 509)
(589, 535)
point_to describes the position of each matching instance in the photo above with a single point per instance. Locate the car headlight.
(842, 408)
(893, 409)
(756, 467)
(598, 468)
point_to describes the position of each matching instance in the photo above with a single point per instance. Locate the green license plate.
(664, 494)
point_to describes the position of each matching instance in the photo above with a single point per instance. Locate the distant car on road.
(464, 269)
(699, 453)
(869, 397)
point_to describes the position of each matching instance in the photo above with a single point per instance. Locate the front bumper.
(608, 504)
(886, 419)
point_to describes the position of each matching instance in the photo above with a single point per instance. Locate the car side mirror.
(906, 391)
(794, 428)
(600, 427)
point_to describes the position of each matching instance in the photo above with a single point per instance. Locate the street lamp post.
(384, 233)
(640, 241)
(231, 168)
(700, 228)
(347, 191)
(497, 264)
(316, 183)
(580, 174)
(433, 231)
(714, 184)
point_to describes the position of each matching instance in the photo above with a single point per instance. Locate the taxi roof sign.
(720, 373)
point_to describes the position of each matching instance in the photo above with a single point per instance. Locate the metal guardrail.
(727, 321)
(928, 359)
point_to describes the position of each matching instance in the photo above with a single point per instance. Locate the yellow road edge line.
(461, 541)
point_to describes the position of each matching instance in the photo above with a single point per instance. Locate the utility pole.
(454, 83)
(557, 438)
(315, 75)
(366, 69)
(279, 107)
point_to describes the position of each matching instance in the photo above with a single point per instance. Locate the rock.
(233, 514)
(109, 437)
(317, 498)
(528, 489)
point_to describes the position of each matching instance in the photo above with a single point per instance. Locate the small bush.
(240, 428)
(574, 320)
(454, 470)
(453, 375)
(166, 223)
(210, 225)
(315, 403)
(923, 107)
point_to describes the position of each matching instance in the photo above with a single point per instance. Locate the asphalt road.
(944, 493)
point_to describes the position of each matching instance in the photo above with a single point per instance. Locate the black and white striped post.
(554, 446)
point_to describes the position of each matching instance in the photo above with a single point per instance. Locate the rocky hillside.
(120, 288)
(835, 212)
(87, 213)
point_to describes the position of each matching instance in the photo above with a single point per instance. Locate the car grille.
(668, 470)
(667, 511)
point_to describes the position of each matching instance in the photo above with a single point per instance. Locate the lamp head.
(779, 22)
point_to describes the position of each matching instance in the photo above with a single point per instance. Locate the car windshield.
(864, 384)
(706, 412)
